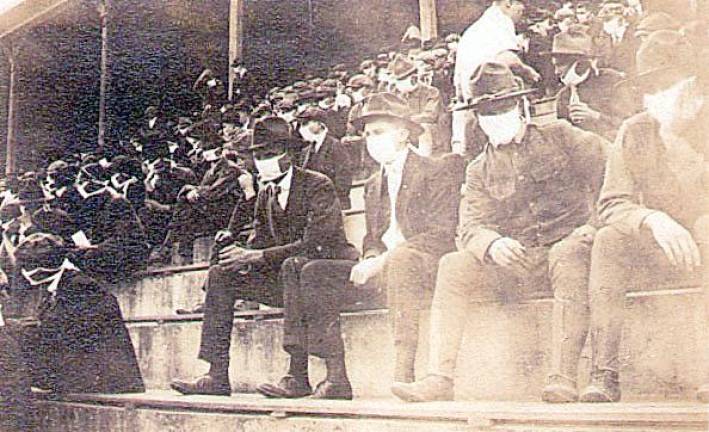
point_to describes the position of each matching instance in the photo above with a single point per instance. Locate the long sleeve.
(618, 203)
(476, 229)
(323, 227)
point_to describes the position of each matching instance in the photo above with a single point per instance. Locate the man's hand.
(674, 240)
(192, 196)
(234, 257)
(581, 113)
(367, 269)
(509, 253)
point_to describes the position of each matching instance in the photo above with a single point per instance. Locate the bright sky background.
(6, 5)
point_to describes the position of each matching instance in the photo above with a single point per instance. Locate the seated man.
(410, 224)
(525, 197)
(60, 330)
(653, 202)
(297, 214)
(587, 99)
(324, 153)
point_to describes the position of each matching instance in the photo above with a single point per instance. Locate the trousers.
(622, 262)
(464, 280)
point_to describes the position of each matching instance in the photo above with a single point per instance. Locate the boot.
(604, 387)
(560, 389)
(431, 388)
(569, 331)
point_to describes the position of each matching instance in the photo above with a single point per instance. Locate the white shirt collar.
(396, 167)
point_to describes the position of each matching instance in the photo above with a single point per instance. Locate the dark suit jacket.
(427, 205)
(310, 226)
(332, 160)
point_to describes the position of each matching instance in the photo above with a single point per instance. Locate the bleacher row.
(505, 354)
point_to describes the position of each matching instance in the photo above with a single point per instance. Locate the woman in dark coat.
(61, 330)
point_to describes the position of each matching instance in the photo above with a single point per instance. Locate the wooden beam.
(236, 31)
(10, 154)
(428, 19)
(103, 8)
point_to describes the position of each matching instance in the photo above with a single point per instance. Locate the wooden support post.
(103, 86)
(428, 18)
(236, 30)
(10, 155)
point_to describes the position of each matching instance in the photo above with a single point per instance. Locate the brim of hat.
(408, 73)
(496, 98)
(415, 128)
(640, 79)
(568, 54)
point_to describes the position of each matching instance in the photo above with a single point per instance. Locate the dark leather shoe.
(604, 387)
(330, 390)
(431, 388)
(288, 387)
(204, 385)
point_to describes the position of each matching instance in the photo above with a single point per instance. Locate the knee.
(573, 250)
(457, 267)
(701, 229)
(610, 245)
(402, 258)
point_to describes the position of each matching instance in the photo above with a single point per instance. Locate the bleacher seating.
(504, 359)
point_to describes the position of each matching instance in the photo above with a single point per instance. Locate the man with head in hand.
(297, 214)
(522, 228)
(653, 202)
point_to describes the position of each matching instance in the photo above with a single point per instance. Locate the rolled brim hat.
(387, 106)
(493, 86)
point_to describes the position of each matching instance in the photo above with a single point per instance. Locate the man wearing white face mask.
(424, 101)
(324, 153)
(522, 231)
(297, 220)
(411, 216)
(654, 206)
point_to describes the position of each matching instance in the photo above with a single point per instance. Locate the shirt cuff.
(634, 220)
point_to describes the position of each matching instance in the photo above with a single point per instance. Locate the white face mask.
(501, 128)
(211, 155)
(405, 86)
(673, 104)
(614, 27)
(311, 137)
(269, 169)
(382, 147)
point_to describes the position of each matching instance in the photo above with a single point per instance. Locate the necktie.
(271, 191)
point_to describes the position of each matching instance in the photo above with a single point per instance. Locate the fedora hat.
(359, 81)
(272, 131)
(663, 53)
(387, 105)
(311, 113)
(575, 41)
(493, 83)
(401, 67)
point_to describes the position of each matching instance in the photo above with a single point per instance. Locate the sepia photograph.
(354, 215)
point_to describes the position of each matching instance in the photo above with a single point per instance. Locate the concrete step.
(162, 411)
(505, 353)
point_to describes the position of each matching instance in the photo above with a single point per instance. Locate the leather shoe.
(289, 387)
(560, 389)
(431, 388)
(331, 390)
(604, 387)
(204, 385)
